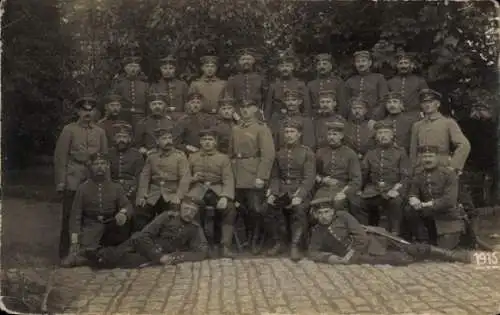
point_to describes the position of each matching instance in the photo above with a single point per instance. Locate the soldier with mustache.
(326, 114)
(113, 113)
(358, 134)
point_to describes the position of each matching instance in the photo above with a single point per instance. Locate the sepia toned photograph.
(250, 157)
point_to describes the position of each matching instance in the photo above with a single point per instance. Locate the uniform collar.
(207, 79)
(293, 146)
(246, 123)
(208, 153)
(434, 116)
(292, 113)
(90, 125)
(335, 147)
(166, 153)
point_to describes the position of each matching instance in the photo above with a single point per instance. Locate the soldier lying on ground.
(339, 238)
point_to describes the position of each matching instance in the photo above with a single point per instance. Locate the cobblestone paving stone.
(269, 286)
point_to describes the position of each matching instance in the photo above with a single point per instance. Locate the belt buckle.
(283, 110)
(132, 109)
(162, 183)
(122, 181)
(239, 155)
(288, 181)
(100, 218)
(172, 109)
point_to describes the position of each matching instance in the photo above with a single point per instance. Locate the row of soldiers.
(273, 181)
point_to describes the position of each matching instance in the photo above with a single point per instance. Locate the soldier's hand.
(340, 196)
(236, 117)
(371, 123)
(330, 181)
(427, 204)
(60, 187)
(415, 202)
(222, 203)
(143, 150)
(175, 200)
(121, 218)
(393, 193)
(141, 202)
(167, 259)
(271, 199)
(335, 260)
(259, 183)
(296, 201)
(191, 148)
(198, 176)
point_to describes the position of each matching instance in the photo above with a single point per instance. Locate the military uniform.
(402, 124)
(330, 82)
(359, 136)
(224, 127)
(76, 143)
(188, 130)
(279, 121)
(108, 120)
(321, 123)
(276, 96)
(370, 86)
(440, 131)
(211, 88)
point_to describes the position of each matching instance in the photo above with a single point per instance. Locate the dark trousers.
(392, 208)
(252, 203)
(287, 224)
(221, 219)
(65, 237)
(146, 214)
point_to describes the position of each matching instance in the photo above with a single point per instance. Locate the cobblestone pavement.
(267, 286)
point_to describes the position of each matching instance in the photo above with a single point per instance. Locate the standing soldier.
(433, 197)
(440, 131)
(162, 180)
(385, 179)
(225, 123)
(247, 84)
(100, 206)
(326, 114)
(401, 120)
(326, 81)
(175, 90)
(292, 181)
(276, 94)
(407, 84)
(145, 138)
(252, 152)
(112, 114)
(211, 174)
(133, 88)
(368, 85)
(209, 85)
(293, 100)
(358, 134)
(77, 142)
(338, 168)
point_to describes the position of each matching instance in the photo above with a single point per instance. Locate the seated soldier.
(100, 207)
(161, 181)
(339, 238)
(212, 186)
(166, 240)
(326, 114)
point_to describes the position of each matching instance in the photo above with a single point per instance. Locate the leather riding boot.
(438, 253)
(256, 239)
(294, 248)
(227, 240)
(275, 250)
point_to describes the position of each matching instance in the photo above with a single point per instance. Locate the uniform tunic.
(211, 89)
(247, 86)
(276, 96)
(321, 127)
(126, 167)
(135, 92)
(163, 176)
(176, 92)
(74, 146)
(252, 152)
(188, 128)
(359, 137)
(370, 86)
(279, 122)
(444, 133)
(107, 124)
(145, 130)
(409, 86)
(331, 83)
(224, 127)
(402, 125)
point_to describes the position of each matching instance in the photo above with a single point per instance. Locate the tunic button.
(288, 182)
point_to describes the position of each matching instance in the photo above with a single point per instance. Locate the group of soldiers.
(313, 167)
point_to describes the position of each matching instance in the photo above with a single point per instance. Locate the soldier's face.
(246, 62)
(394, 106)
(286, 68)
(292, 103)
(327, 104)
(188, 211)
(404, 66)
(157, 107)
(122, 140)
(248, 112)
(85, 115)
(166, 141)
(334, 137)
(358, 111)
(324, 66)
(362, 64)
(291, 135)
(194, 106)
(114, 108)
(209, 69)
(99, 167)
(226, 112)
(167, 71)
(208, 143)
(132, 69)
(429, 107)
(384, 136)
(324, 215)
(429, 160)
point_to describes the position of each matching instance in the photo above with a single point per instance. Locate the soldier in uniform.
(326, 80)
(77, 141)
(358, 134)
(433, 198)
(209, 85)
(113, 113)
(293, 100)
(407, 84)
(292, 181)
(133, 88)
(436, 130)
(100, 206)
(338, 168)
(189, 126)
(162, 182)
(326, 113)
(212, 174)
(252, 151)
(247, 84)
(401, 120)
(368, 85)
(339, 238)
(385, 179)
(287, 81)
(144, 132)
(225, 123)
(175, 90)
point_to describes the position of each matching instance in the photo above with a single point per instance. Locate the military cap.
(227, 101)
(393, 95)
(326, 202)
(404, 55)
(98, 156)
(159, 132)
(157, 97)
(355, 101)
(320, 57)
(122, 127)
(383, 125)
(428, 149)
(293, 93)
(362, 53)
(429, 95)
(86, 102)
(195, 96)
(327, 93)
(247, 51)
(208, 59)
(112, 97)
(207, 132)
(292, 123)
(168, 60)
(248, 103)
(131, 59)
(337, 125)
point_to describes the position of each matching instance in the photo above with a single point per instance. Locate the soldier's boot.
(256, 240)
(73, 260)
(227, 237)
(275, 250)
(438, 253)
(294, 248)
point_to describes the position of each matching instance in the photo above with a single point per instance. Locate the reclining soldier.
(339, 238)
